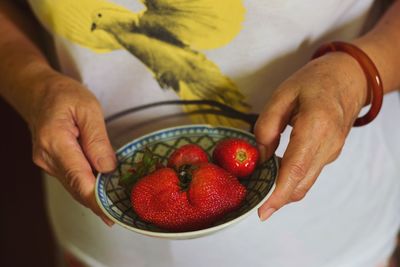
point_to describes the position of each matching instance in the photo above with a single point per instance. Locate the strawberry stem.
(241, 156)
(185, 175)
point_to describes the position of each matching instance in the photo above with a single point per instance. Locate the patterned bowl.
(115, 200)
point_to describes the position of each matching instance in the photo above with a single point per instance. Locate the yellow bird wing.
(190, 74)
(200, 24)
(72, 19)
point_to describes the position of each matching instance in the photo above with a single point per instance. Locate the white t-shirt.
(237, 51)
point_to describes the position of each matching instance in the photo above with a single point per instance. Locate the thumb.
(94, 139)
(272, 122)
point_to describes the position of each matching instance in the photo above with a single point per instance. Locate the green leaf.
(147, 165)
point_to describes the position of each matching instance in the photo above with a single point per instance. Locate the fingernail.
(107, 221)
(106, 164)
(266, 214)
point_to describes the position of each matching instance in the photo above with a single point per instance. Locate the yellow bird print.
(166, 36)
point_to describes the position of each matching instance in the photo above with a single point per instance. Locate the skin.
(66, 121)
(321, 99)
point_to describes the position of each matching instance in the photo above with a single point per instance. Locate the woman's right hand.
(69, 136)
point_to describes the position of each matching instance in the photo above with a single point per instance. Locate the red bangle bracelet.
(371, 72)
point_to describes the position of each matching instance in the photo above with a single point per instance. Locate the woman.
(118, 54)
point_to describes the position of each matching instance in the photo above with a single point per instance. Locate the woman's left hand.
(321, 101)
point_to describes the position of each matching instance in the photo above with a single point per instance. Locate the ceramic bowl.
(115, 200)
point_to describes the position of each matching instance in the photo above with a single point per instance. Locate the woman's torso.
(247, 48)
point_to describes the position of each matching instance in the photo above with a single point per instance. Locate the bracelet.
(371, 72)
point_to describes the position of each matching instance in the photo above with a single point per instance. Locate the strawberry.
(236, 156)
(191, 200)
(187, 154)
(215, 190)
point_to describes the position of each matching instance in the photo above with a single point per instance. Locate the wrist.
(35, 79)
(385, 55)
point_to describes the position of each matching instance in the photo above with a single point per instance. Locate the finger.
(295, 165)
(94, 139)
(272, 122)
(76, 173)
(97, 210)
(305, 185)
(43, 160)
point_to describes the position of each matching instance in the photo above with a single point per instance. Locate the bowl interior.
(115, 200)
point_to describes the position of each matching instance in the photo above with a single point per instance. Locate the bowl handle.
(224, 110)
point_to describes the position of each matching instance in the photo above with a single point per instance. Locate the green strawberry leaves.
(147, 165)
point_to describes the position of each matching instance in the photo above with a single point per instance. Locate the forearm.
(382, 44)
(22, 63)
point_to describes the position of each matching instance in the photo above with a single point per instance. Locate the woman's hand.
(69, 137)
(321, 101)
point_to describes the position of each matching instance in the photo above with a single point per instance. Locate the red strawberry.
(187, 154)
(162, 199)
(236, 156)
(215, 191)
